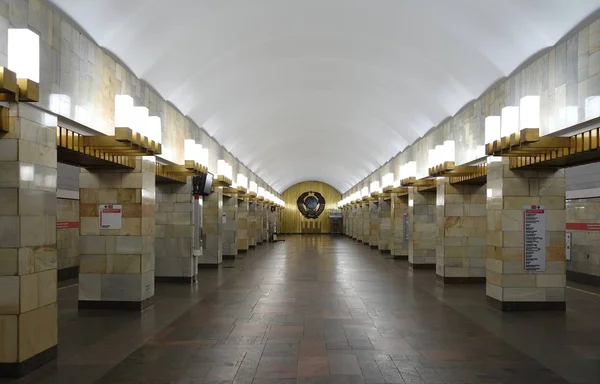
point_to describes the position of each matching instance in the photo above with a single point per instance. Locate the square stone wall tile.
(123, 264)
(38, 331)
(90, 287)
(9, 262)
(9, 343)
(121, 287)
(47, 286)
(29, 292)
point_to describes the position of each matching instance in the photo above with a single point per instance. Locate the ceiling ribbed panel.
(322, 90)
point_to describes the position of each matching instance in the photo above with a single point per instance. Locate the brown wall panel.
(293, 221)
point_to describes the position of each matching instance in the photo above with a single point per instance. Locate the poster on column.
(534, 238)
(110, 216)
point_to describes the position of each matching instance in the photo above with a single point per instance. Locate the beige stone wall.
(212, 229)
(230, 211)
(398, 243)
(67, 239)
(28, 256)
(243, 242)
(508, 191)
(118, 264)
(461, 230)
(384, 236)
(585, 245)
(174, 230)
(421, 216)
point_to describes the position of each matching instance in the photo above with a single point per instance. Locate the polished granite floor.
(321, 309)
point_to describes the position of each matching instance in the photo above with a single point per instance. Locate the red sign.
(583, 226)
(67, 224)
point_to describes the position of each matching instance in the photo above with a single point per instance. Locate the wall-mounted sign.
(224, 218)
(110, 216)
(534, 238)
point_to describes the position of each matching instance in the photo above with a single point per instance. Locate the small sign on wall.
(110, 216)
(534, 238)
(224, 218)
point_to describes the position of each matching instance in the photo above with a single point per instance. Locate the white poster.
(534, 238)
(110, 216)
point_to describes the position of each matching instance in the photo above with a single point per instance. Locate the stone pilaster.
(400, 234)
(242, 225)
(365, 223)
(260, 210)
(374, 224)
(509, 286)
(355, 222)
(461, 232)
(230, 217)
(265, 224)
(28, 259)
(117, 265)
(252, 223)
(212, 230)
(384, 236)
(421, 218)
(173, 233)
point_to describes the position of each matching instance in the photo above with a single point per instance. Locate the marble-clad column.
(265, 227)
(28, 258)
(252, 222)
(384, 237)
(400, 236)
(421, 218)
(461, 232)
(509, 286)
(212, 230)
(117, 265)
(373, 224)
(242, 225)
(365, 220)
(258, 235)
(355, 222)
(173, 233)
(230, 218)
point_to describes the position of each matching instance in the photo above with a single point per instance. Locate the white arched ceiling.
(322, 89)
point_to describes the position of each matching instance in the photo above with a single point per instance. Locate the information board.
(534, 238)
(110, 216)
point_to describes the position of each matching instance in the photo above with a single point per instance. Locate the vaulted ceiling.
(323, 90)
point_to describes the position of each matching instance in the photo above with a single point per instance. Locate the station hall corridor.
(323, 309)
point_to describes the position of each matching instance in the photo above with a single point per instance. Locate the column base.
(176, 279)
(228, 257)
(388, 251)
(513, 306)
(117, 305)
(13, 370)
(421, 266)
(583, 278)
(208, 266)
(374, 247)
(400, 257)
(67, 273)
(459, 280)
(242, 250)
